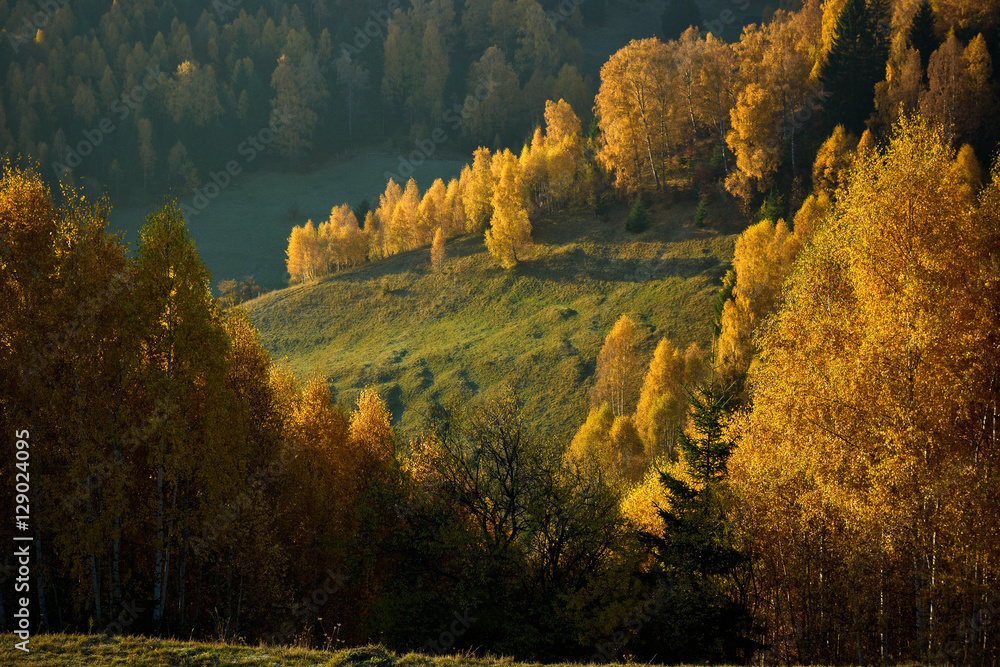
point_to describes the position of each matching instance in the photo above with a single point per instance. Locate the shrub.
(772, 209)
(637, 217)
(700, 214)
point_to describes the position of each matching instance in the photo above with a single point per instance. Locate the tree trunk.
(182, 569)
(91, 558)
(197, 596)
(166, 562)
(158, 562)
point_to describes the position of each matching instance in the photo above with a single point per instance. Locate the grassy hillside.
(102, 651)
(244, 230)
(425, 337)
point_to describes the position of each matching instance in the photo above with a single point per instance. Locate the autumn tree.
(340, 241)
(193, 94)
(400, 234)
(636, 123)
(353, 77)
(184, 346)
(438, 249)
(833, 161)
(509, 227)
(453, 215)
(477, 191)
(777, 89)
(762, 260)
(662, 403)
(431, 214)
(814, 210)
(960, 93)
(614, 378)
(871, 415)
(499, 504)
(756, 160)
(903, 84)
(494, 83)
(299, 88)
(562, 154)
(382, 219)
(591, 443)
(304, 259)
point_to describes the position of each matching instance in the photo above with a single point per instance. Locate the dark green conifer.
(700, 565)
(923, 37)
(855, 63)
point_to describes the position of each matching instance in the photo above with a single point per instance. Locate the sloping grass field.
(430, 338)
(58, 650)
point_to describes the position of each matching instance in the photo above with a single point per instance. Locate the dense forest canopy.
(143, 97)
(820, 485)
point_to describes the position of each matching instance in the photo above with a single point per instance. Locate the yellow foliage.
(560, 122)
(662, 405)
(431, 213)
(642, 504)
(762, 260)
(811, 215)
(437, 249)
(589, 445)
(616, 367)
(635, 120)
(370, 425)
(833, 161)
(626, 449)
(509, 226)
(477, 191)
(875, 395)
(303, 254)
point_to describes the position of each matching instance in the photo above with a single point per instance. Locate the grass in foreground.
(427, 337)
(57, 650)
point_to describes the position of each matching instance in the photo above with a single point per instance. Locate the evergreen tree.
(855, 63)
(637, 217)
(922, 35)
(699, 563)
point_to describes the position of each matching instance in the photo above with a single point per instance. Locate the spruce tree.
(922, 35)
(854, 64)
(698, 561)
(636, 221)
